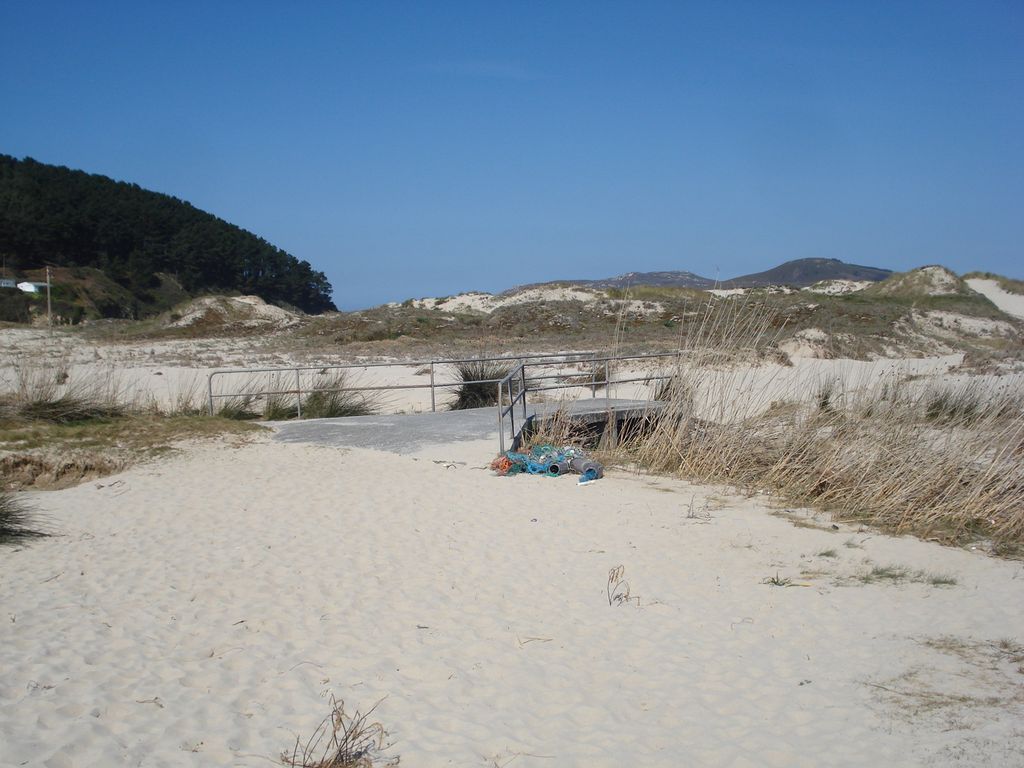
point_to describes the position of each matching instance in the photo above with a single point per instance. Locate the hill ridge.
(796, 272)
(63, 217)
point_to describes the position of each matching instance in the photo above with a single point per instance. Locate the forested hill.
(62, 217)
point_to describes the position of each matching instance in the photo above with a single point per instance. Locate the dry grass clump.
(342, 741)
(57, 431)
(52, 470)
(941, 461)
(17, 521)
(48, 455)
(594, 375)
(43, 393)
(478, 387)
(332, 397)
(276, 398)
(970, 402)
(897, 574)
(904, 464)
(239, 408)
(187, 399)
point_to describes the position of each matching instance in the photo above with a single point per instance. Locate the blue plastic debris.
(550, 461)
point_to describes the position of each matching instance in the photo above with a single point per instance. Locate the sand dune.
(1010, 303)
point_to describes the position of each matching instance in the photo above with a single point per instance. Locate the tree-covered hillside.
(66, 218)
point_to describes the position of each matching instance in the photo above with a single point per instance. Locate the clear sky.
(426, 148)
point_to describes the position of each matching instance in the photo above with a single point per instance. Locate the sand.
(486, 303)
(201, 610)
(838, 287)
(1010, 303)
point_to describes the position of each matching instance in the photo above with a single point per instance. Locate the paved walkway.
(409, 433)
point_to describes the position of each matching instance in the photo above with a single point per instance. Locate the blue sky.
(416, 149)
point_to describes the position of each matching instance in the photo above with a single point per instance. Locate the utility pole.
(49, 305)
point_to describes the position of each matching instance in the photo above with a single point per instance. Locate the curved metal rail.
(512, 389)
(518, 395)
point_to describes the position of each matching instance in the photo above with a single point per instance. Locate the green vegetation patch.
(897, 574)
(139, 239)
(46, 454)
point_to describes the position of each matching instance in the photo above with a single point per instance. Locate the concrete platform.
(410, 433)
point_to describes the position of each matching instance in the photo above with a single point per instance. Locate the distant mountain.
(675, 279)
(804, 272)
(798, 273)
(141, 240)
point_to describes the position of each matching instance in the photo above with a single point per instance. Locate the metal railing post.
(501, 421)
(607, 381)
(433, 402)
(298, 395)
(209, 390)
(522, 372)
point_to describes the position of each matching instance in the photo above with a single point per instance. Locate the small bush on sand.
(969, 403)
(16, 520)
(68, 408)
(279, 408)
(333, 397)
(342, 741)
(238, 408)
(479, 383)
(42, 394)
(594, 375)
(186, 399)
(280, 400)
(950, 406)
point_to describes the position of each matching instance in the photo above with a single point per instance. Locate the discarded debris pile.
(551, 461)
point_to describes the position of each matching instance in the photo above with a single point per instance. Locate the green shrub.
(479, 383)
(14, 306)
(331, 398)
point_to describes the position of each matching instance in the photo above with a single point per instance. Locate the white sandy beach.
(200, 611)
(515, 385)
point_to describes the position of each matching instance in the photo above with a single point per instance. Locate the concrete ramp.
(402, 433)
(410, 433)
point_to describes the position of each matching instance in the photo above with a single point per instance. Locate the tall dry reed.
(41, 392)
(941, 458)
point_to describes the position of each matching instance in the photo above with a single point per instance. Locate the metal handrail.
(505, 385)
(433, 385)
(507, 389)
